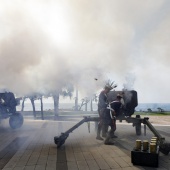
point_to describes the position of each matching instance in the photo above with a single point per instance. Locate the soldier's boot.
(107, 140)
(112, 135)
(104, 130)
(98, 133)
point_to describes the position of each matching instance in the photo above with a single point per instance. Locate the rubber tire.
(16, 120)
(138, 129)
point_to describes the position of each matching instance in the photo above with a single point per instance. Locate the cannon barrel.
(130, 100)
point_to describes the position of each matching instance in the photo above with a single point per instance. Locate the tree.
(76, 101)
(40, 97)
(22, 105)
(66, 91)
(42, 113)
(91, 105)
(32, 99)
(149, 110)
(84, 102)
(56, 103)
(160, 109)
(94, 98)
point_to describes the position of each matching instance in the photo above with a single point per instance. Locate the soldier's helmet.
(110, 85)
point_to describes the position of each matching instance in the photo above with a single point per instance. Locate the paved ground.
(32, 147)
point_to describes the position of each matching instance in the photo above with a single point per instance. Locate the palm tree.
(23, 101)
(76, 101)
(56, 102)
(32, 99)
(84, 102)
(66, 91)
(40, 97)
(94, 98)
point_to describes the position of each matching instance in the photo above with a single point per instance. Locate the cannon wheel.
(16, 120)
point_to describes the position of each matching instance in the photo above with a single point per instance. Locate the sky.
(47, 45)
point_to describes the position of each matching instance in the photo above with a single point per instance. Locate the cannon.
(129, 103)
(8, 104)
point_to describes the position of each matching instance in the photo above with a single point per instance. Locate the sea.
(70, 106)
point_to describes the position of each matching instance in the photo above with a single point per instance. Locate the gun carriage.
(8, 104)
(130, 101)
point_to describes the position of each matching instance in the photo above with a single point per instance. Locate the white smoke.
(130, 80)
(46, 44)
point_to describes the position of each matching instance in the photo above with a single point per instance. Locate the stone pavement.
(32, 147)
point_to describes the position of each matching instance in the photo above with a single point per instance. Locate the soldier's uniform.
(111, 112)
(102, 105)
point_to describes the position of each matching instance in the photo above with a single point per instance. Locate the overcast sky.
(46, 44)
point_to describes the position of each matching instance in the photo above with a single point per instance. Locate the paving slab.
(32, 147)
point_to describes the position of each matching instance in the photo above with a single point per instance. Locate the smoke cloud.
(44, 45)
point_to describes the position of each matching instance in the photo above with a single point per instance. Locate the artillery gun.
(8, 104)
(130, 101)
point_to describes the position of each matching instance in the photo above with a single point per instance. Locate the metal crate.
(145, 158)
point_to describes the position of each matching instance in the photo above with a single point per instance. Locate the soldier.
(112, 111)
(102, 105)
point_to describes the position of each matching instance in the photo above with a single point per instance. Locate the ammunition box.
(143, 158)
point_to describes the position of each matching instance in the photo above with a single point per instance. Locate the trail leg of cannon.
(60, 140)
(164, 146)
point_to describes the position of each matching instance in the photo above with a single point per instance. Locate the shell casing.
(153, 148)
(138, 144)
(145, 145)
(154, 141)
(155, 138)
